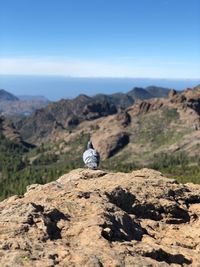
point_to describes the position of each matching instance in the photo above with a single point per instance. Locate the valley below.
(161, 132)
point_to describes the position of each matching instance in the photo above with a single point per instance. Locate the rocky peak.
(8, 130)
(189, 98)
(144, 106)
(97, 218)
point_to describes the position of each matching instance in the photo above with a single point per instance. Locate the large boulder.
(96, 218)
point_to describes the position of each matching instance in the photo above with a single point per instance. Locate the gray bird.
(91, 157)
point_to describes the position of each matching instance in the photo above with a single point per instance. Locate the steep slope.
(4, 95)
(13, 151)
(153, 126)
(139, 93)
(63, 115)
(124, 100)
(156, 91)
(120, 100)
(8, 131)
(67, 114)
(95, 218)
(148, 92)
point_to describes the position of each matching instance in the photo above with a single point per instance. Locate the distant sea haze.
(57, 87)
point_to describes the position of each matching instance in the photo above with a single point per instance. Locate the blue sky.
(100, 38)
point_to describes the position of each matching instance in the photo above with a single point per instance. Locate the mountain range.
(68, 113)
(151, 131)
(161, 133)
(124, 100)
(26, 105)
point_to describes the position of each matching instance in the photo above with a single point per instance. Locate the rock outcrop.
(156, 125)
(65, 113)
(95, 218)
(9, 132)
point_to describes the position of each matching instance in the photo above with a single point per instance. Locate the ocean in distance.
(57, 87)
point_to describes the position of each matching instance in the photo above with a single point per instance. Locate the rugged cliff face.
(62, 115)
(9, 132)
(96, 218)
(154, 125)
(68, 114)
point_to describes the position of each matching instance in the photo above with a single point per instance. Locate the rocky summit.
(97, 218)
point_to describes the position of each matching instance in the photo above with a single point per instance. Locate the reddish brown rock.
(172, 93)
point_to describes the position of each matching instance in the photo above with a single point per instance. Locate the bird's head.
(90, 145)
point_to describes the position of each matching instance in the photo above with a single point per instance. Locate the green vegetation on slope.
(17, 171)
(20, 167)
(159, 129)
(179, 166)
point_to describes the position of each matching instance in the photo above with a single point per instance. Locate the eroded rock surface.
(95, 218)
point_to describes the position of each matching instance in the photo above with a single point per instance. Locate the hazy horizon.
(57, 87)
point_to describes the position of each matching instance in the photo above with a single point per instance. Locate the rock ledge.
(96, 218)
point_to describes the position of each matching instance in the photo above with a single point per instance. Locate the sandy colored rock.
(96, 218)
